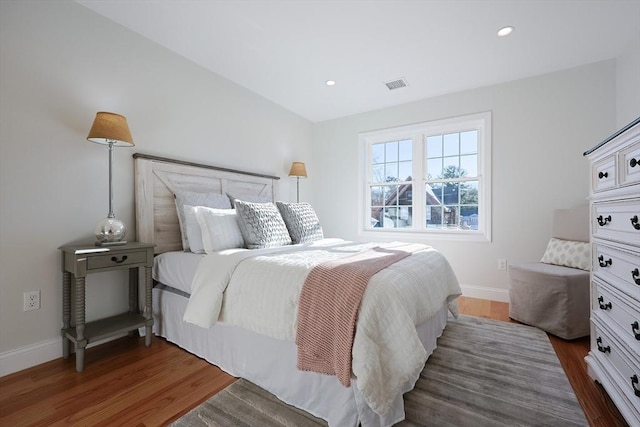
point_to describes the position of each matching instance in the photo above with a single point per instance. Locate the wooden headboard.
(157, 179)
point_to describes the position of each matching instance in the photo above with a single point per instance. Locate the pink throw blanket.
(329, 303)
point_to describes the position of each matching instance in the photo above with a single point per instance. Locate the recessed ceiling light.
(505, 31)
(330, 82)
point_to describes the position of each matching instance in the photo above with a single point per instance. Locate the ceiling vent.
(396, 84)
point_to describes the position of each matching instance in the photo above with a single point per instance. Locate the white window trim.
(480, 121)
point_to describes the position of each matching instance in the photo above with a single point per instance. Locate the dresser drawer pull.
(633, 163)
(601, 261)
(603, 221)
(604, 306)
(606, 349)
(634, 222)
(634, 384)
(115, 259)
(603, 175)
(635, 274)
(635, 328)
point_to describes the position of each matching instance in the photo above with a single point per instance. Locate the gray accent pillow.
(253, 198)
(302, 222)
(261, 225)
(194, 198)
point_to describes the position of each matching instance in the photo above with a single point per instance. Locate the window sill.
(421, 236)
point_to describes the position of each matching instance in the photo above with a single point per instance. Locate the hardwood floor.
(128, 384)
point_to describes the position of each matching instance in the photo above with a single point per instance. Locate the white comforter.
(259, 289)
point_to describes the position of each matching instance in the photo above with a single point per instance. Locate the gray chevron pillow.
(261, 225)
(302, 222)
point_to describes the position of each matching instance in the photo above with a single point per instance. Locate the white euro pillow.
(219, 229)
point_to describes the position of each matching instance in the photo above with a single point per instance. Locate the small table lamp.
(110, 129)
(299, 171)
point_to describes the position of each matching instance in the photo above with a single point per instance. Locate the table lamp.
(112, 130)
(299, 171)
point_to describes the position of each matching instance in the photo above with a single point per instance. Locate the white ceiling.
(285, 50)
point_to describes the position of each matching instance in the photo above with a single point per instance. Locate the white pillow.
(219, 229)
(194, 198)
(194, 233)
(568, 253)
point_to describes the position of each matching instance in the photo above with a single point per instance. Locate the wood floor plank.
(127, 384)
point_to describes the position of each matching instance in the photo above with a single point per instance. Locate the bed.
(385, 364)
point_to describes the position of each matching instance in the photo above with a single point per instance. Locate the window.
(446, 161)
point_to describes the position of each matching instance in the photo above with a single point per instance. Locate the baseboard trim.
(35, 354)
(25, 357)
(483, 292)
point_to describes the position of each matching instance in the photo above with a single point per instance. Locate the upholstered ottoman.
(551, 297)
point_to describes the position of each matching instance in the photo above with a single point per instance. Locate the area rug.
(483, 373)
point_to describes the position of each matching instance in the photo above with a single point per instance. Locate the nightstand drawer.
(116, 259)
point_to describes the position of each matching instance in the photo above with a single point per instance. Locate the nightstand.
(80, 260)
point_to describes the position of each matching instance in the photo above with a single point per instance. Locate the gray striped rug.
(483, 373)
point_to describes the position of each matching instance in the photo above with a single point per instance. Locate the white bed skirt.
(271, 364)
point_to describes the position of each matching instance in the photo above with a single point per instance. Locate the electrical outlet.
(502, 264)
(31, 300)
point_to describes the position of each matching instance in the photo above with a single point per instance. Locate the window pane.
(469, 193)
(451, 193)
(451, 217)
(405, 195)
(469, 142)
(406, 150)
(469, 164)
(434, 146)
(377, 196)
(469, 217)
(452, 144)
(434, 217)
(391, 172)
(451, 168)
(391, 151)
(434, 168)
(377, 173)
(377, 153)
(433, 194)
(405, 171)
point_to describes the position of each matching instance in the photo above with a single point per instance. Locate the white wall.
(60, 64)
(628, 87)
(541, 127)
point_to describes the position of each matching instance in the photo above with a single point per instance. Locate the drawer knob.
(633, 163)
(634, 222)
(603, 349)
(602, 221)
(119, 261)
(635, 328)
(604, 174)
(604, 306)
(604, 263)
(635, 273)
(634, 384)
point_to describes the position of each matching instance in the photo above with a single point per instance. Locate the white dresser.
(614, 358)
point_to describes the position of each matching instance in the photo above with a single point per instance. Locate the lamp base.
(110, 231)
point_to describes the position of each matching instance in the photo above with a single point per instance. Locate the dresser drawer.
(620, 312)
(603, 174)
(616, 221)
(116, 259)
(630, 165)
(617, 268)
(621, 365)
